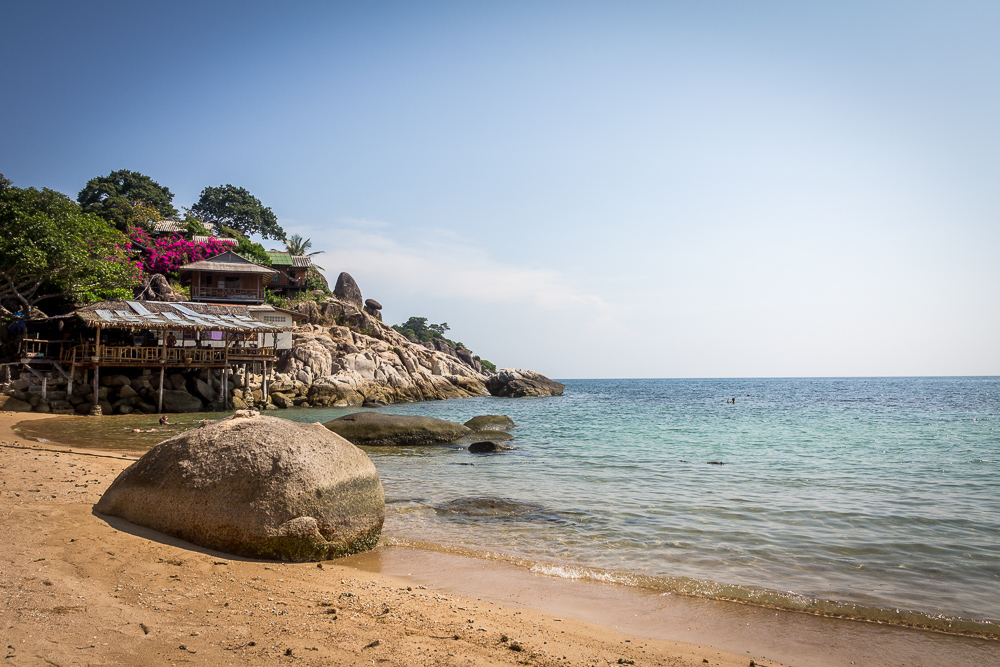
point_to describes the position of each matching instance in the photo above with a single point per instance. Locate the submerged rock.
(255, 486)
(488, 506)
(490, 423)
(381, 430)
(490, 447)
(519, 383)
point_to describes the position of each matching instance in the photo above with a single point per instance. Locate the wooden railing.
(255, 352)
(33, 348)
(200, 291)
(177, 356)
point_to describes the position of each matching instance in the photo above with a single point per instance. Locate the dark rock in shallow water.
(490, 423)
(375, 429)
(518, 383)
(488, 447)
(255, 486)
(495, 436)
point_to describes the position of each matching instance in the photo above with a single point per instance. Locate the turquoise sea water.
(876, 498)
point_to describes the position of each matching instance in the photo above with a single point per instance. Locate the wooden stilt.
(159, 396)
(97, 373)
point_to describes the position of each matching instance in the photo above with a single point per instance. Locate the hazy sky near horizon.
(628, 189)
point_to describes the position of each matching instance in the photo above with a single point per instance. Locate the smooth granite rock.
(255, 486)
(348, 290)
(381, 430)
(490, 423)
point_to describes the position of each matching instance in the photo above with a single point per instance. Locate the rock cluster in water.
(255, 486)
(376, 429)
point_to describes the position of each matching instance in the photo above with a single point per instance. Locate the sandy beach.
(80, 589)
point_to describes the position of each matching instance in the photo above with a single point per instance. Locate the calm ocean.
(872, 498)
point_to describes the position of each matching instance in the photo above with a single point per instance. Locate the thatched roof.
(205, 239)
(168, 226)
(227, 262)
(162, 315)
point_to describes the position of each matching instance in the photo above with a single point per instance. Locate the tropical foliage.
(127, 199)
(165, 255)
(50, 248)
(233, 207)
(417, 328)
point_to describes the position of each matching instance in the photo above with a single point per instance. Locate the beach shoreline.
(134, 596)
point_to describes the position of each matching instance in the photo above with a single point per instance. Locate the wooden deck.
(150, 357)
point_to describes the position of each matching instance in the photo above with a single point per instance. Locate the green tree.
(116, 197)
(50, 248)
(253, 251)
(299, 247)
(230, 206)
(417, 327)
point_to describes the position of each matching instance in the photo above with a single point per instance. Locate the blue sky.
(661, 189)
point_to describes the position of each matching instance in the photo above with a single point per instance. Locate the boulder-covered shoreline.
(343, 355)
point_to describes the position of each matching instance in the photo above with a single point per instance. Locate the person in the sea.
(164, 421)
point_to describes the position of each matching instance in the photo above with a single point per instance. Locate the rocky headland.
(342, 355)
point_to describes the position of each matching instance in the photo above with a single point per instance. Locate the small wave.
(758, 597)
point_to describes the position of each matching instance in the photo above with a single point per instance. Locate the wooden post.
(225, 388)
(97, 344)
(159, 396)
(263, 381)
(96, 374)
(45, 384)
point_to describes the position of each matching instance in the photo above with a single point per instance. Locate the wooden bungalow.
(150, 335)
(292, 272)
(228, 278)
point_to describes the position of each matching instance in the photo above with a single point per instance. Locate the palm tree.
(298, 247)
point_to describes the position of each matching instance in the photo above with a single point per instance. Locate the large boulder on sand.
(518, 383)
(255, 486)
(376, 429)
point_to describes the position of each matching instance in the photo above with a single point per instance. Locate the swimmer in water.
(164, 421)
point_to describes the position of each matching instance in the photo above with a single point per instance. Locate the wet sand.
(79, 588)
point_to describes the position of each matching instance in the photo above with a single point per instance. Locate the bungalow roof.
(190, 315)
(228, 262)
